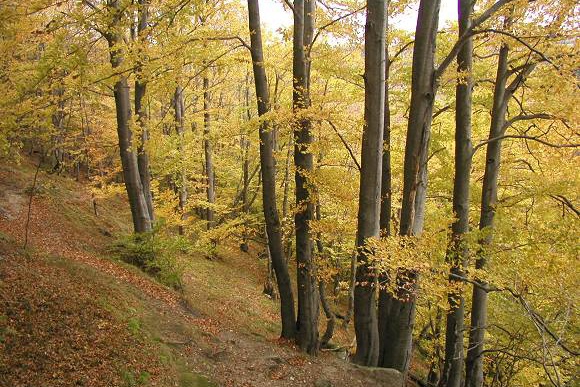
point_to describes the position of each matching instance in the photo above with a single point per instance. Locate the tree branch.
(532, 138)
(348, 148)
(564, 201)
(467, 34)
(330, 23)
(524, 117)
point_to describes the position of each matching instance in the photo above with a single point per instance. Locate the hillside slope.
(70, 315)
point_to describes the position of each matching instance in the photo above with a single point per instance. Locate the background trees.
(72, 72)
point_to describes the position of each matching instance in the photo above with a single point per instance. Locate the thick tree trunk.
(385, 219)
(308, 309)
(452, 374)
(398, 338)
(179, 116)
(129, 163)
(140, 91)
(365, 313)
(271, 216)
(474, 361)
(208, 153)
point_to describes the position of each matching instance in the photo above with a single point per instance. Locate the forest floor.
(70, 315)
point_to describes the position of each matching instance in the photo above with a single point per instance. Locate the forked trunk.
(140, 92)
(401, 314)
(129, 163)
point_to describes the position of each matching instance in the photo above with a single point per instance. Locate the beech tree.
(127, 148)
(365, 314)
(267, 162)
(458, 255)
(308, 309)
(87, 82)
(140, 92)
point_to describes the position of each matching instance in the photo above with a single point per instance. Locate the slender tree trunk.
(287, 240)
(179, 115)
(308, 308)
(474, 360)
(245, 148)
(398, 339)
(365, 312)
(330, 317)
(273, 228)
(137, 202)
(207, 148)
(452, 374)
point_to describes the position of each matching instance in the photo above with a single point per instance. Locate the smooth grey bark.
(365, 312)
(179, 116)
(140, 92)
(328, 313)
(129, 163)
(474, 361)
(245, 151)
(398, 337)
(308, 308)
(271, 216)
(384, 304)
(208, 153)
(330, 317)
(458, 254)
(245, 145)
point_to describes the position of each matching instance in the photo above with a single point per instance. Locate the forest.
(357, 193)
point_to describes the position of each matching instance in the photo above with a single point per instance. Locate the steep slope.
(69, 315)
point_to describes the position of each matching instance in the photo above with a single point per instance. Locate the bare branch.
(531, 138)
(566, 202)
(330, 23)
(401, 50)
(521, 41)
(348, 148)
(466, 35)
(525, 117)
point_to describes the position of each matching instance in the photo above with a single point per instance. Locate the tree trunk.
(474, 361)
(365, 313)
(140, 91)
(271, 215)
(452, 374)
(330, 317)
(385, 217)
(137, 202)
(245, 149)
(179, 115)
(207, 148)
(308, 309)
(398, 339)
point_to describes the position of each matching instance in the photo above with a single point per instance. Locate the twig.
(30, 201)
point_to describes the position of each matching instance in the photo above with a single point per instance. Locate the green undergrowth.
(158, 255)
